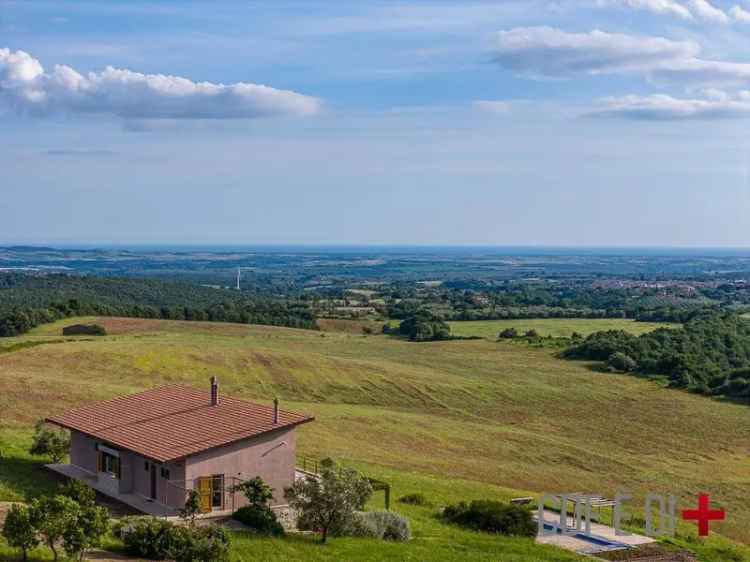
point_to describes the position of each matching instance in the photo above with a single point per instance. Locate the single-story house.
(153, 447)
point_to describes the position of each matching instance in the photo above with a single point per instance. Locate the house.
(149, 449)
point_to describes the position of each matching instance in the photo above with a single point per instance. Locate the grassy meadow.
(455, 420)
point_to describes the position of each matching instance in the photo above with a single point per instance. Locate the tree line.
(709, 354)
(27, 302)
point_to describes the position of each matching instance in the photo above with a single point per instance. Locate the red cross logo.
(703, 515)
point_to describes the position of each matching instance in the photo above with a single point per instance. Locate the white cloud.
(545, 52)
(667, 7)
(492, 106)
(707, 11)
(550, 52)
(740, 14)
(26, 86)
(664, 107)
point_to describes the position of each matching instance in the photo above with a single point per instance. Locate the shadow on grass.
(26, 478)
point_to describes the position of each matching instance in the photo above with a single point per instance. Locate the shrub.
(146, 537)
(531, 334)
(414, 499)
(383, 525)
(508, 333)
(199, 544)
(260, 519)
(19, 530)
(492, 517)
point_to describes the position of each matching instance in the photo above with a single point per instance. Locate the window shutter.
(118, 469)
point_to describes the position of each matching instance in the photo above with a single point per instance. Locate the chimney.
(275, 411)
(214, 391)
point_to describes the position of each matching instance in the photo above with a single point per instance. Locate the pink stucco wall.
(82, 451)
(271, 456)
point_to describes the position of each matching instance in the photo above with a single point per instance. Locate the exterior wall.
(83, 451)
(271, 456)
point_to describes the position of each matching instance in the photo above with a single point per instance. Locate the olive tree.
(326, 503)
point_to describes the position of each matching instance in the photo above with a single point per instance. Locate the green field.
(557, 328)
(455, 420)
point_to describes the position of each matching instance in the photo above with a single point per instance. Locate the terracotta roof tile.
(172, 422)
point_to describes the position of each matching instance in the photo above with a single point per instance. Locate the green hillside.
(456, 420)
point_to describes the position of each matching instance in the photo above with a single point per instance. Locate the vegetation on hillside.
(710, 354)
(28, 301)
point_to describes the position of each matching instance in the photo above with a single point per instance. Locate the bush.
(492, 517)
(157, 539)
(260, 519)
(414, 499)
(199, 544)
(383, 525)
(508, 333)
(146, 537)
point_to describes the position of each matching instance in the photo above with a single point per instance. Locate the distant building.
(149, 449)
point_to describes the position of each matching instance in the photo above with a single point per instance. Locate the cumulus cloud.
(740, 14)
(545, 52)
(664, 107)
(707, 11)
(27, 87)
(667, 7)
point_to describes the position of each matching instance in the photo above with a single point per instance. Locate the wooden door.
(205, 489)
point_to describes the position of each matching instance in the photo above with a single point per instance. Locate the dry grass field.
(498, 419)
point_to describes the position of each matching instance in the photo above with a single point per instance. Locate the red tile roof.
(173, 422)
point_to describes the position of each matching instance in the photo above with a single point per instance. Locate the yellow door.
(205, 490)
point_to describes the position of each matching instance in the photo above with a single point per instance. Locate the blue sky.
(550, 122)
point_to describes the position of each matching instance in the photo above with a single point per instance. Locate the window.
(217, 491)
(109, 463)
(165, 473)
(145, 465)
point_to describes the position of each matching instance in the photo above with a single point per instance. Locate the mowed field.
(457, 420)
(555, 327)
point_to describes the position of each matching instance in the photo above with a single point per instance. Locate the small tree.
(85, 530)
(19, 531)
(192, 507)
(51, 443)
(257, 492)
(327, 504)
(258, 515)
(52, 516)
(508, 333)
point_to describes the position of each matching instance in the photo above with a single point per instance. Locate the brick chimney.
(275, 411)
(214, 391)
